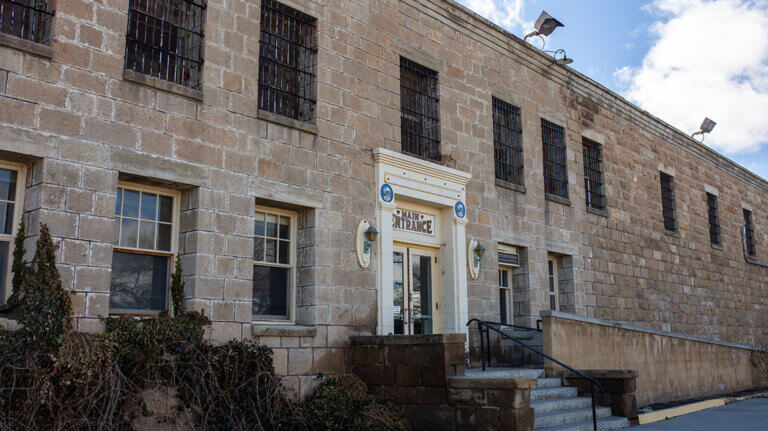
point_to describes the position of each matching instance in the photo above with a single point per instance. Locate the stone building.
(259, 141)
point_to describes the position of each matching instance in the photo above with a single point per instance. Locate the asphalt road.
(748, 415)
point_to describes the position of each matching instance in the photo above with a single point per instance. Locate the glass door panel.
(399, 293)
(413, 290)
(421, 289)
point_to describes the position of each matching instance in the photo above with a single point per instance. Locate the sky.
(681, 60)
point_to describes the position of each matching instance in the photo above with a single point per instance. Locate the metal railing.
(485, 328)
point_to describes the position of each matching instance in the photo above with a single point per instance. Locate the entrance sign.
(412, 221)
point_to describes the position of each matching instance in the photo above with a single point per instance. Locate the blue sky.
(681, 60)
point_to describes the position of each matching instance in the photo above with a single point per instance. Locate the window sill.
(558, 199)
(259, 329)
(26, 45)
(510, 186)
(602, 212)
(673, 233)
(717, 247)
(288, 122)
(160, 84)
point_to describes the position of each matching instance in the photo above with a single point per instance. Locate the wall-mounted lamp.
(366, 235)
(475, 252)
(706, 126)
(562, 60)
(479, 253)
(544, 26)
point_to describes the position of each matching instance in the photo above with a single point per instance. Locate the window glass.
(139, 282)
(419, 110)
(273, 270)
(270, 291)
(593, 174)
(555, 163)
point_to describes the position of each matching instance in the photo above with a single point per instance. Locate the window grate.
(593, 174)
(26, 19)
(420, 110)
(507, 142)
(555, 165)
(165, 39)
(714, 219)
(287, 52)
(668, 201)
(749, 232)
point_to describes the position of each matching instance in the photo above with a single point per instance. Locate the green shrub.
(343, 404)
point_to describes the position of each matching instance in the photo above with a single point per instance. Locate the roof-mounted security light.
(544, 26)
(706, 126)
(564, 60)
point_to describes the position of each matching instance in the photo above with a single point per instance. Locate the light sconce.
(564, 60)
(706, 126)
(544, 26)
(475, 253)
(366, 235)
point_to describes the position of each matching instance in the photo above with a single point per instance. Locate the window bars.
(26, 19)
(714, 219)
(164, 40)
(507, 142)
(668, 201)
(288, 48)
(749, 232)
(593, 174)
(555, 167)
(419, 110)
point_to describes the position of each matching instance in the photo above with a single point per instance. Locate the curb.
(660, 415)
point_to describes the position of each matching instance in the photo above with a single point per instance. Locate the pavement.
(747, 415)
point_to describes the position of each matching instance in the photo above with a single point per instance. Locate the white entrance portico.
(421, 217)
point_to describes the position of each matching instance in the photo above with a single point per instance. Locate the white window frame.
(508, 292)
(292, 217)
(172, 254)
(18, 212)
(556, 279)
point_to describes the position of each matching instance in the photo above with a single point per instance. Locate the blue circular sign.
(461, 210)
(386, 193)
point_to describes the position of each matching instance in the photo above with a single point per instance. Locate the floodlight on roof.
(706, 126)
(564, 60)
(544, 26)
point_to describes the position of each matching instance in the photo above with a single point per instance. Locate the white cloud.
(708, 58)
(506, 13)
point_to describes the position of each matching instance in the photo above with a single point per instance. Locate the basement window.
(165, 40)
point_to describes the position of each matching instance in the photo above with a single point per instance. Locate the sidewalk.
(748, 415)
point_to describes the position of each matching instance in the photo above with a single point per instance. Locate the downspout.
(744, 246)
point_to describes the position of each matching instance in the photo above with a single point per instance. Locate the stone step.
(549, 382)
(560, 404)
(605, 424)
(568, 416)
(521, 335)
(530, 373)
(555, 392)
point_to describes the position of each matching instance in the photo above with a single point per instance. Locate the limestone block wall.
(669, 366)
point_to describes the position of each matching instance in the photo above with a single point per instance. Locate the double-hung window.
(749, 232)
(27, 19)
(419, 110)
(555, 164)
(508, 142)
(146, 235)
(714, 219)
(165, 40)
(274, 267)
(553, 283)
(509, 262)
(593, 174)
(668, 201)
(12, 178)
(287, 71)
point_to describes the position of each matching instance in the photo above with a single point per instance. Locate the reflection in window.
(139, 282)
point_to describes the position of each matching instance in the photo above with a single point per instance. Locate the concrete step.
(531, 373)
(560, 404)
(569, 416)
(521, 335)
(605, 424)
(549, 382)
(555, 392)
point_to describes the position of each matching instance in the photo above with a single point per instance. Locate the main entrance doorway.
(415, 289)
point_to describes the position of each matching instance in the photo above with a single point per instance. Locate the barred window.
(749, 232)
(668, 201)
(419, 110)
(555, 167)
(145, 241)
(274, 269)
(714, 219)
(165, 40)
(507, 142)
(593, 174)
(287, 52)
(27, 19)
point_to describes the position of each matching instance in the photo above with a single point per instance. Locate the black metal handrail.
(486, 326)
